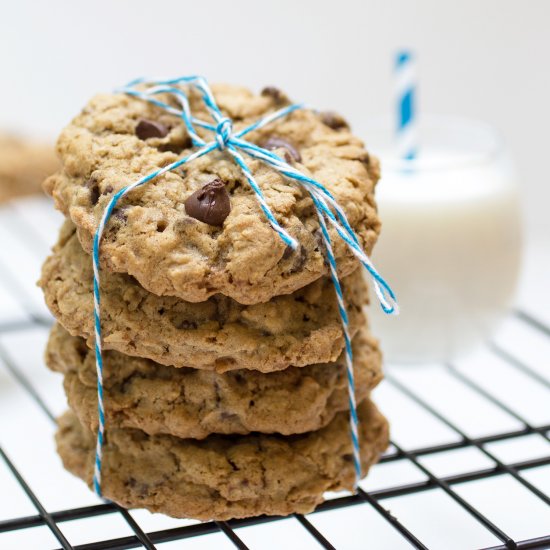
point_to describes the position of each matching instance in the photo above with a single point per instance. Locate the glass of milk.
(451, 238)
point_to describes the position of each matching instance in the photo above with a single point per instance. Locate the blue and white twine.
(234, 144)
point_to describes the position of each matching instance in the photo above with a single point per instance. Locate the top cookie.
(23, 166)
(158, 237)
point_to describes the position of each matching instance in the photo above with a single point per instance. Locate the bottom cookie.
(223, 477)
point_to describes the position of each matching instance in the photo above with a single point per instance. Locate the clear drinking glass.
(451, 238)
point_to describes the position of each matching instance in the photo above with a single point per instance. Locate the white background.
(485, 59)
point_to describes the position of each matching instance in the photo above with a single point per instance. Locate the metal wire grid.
(374, 498)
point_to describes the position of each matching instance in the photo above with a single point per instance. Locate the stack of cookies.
(225, 385)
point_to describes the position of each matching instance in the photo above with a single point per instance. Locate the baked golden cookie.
(159, 235)
(223, 477)
(219, 334)
(23, 166)
(190, 403)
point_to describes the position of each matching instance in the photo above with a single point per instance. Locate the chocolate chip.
(130, 482)
(82, 349)
(107, 190)
(321, 245)
(288, 252)
(299, 260)
(274, 93)
(170, 148)
(274, 142)
(146, 129)
(298, 256)
(239, 378)
(364, 158)
(121, 214)
(184, 324)
(319, 240)
(93, 186)
(210, 204)
(334, 120)
(233, 465)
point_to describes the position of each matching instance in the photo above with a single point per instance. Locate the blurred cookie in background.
(24, 164)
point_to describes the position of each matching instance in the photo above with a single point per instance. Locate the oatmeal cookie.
(219, 334)
(223, 477)
(191, 403)
(183, 235)
(23, 166)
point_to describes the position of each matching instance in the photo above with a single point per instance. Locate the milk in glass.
(450, 242)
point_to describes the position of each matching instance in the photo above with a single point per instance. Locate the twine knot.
(224, 131)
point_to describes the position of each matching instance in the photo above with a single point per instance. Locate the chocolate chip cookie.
(219, 334)
(191, 403)
(23, 166)
(223, 477)
(177, 247)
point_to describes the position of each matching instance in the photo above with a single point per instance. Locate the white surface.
(26, 434)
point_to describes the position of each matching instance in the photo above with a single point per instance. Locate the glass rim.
(483, 155)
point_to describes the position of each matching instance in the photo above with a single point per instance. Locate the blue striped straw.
(405, 82)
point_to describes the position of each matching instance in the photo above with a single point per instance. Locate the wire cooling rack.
(468, 467)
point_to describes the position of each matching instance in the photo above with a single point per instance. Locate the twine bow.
(328, 210)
